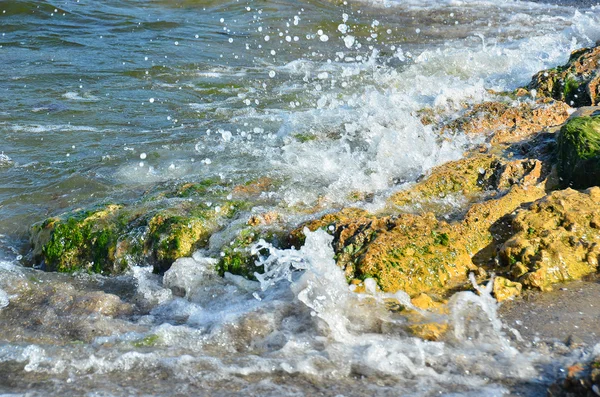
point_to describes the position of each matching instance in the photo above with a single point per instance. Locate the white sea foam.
(76, 96)
(4, 299)
(5, 160)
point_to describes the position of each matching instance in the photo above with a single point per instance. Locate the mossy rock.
(83, 240)
(110, 239)
(467, 176)
(579, 152)
(467, 180)
(237, 257)
(575, 83)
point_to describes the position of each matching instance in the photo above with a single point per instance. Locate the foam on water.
(302, 319)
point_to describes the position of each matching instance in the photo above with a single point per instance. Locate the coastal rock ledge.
(508, 208)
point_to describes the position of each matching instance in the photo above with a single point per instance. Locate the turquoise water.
(102, 100)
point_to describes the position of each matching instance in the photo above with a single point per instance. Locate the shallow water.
(101, 101)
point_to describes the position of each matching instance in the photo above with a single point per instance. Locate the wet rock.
(505, 289)
(509, 122)
(109, 239)
(84, 240)
(556, 239)
(467, 177)
(575, 83)
(419, 253)
(468, 180)
(254, 187)
(42, 312)
(237, 256)
(579, 152)
(582, 379)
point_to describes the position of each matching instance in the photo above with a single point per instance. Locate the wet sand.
(569, 314)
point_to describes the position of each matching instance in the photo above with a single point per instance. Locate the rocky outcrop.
(494, 211)
(575, 83)
(419, 253)
(556, 239)
(469, 179)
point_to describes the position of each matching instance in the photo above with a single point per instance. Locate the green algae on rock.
(575, 83)
(173, 234)
(419, 253)
(110, 239)
(579, 152)
(84, 240)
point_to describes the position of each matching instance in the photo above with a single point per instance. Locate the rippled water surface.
(102, 100)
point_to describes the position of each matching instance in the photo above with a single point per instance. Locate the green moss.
(196, 189)
(579, 152)
(305, 137)
(63, 251)
(147, 341)
(236, 257)
(570, 88)
(441, 238)
(84, 240)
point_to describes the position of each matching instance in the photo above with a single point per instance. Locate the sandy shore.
(569, 314)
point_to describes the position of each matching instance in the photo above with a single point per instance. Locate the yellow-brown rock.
(556, 239)
(505, 289)
(418, 253)
(505, 122)
(468, 179)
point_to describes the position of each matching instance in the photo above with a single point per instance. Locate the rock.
(510, 122)
(467, 180)
(468, 177)
(83, 240)
(60, 312)
(579, 152)
(419, 253)
(582, 379)
(172, 236)
(556, 239)
(156, 230)
(505, 289)
(575, 83)
(237, 258)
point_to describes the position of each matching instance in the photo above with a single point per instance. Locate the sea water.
(103, 100)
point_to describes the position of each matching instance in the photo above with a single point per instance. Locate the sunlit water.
(100, 100)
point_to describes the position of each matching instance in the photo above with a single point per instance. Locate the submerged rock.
(575, 83)
(579, 152)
